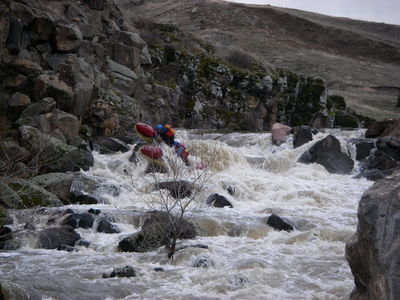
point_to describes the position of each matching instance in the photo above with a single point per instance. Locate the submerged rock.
(106, 227)
(218, 200)
(52, 238)
(278, 223)
(302, 135)
(328, 154)
(127, 271)
(372, 252)
(84, 220)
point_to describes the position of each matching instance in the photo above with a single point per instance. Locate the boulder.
(42, 28)
(302, 135)
(30, 115)
(124, 78)
(25, 67)
(84, 220)
(156, 231)
(5, 236)
(67, 37)
(372, 252)
(122, 54)
(52, 238)
(17, 38)
(57, 183)
(49, 85)
(218, 200)
(279, 133)
(278, 223)
(32, 195)
(11, 151)
(18, 100)
(363, 147)
(203, 262)
(9, 198)
(345, 120)
(53, 154)
(106, 227)
(127, 271)
(91, 190)
(389, 127)
(376, 174)
(328, 154)
(177, 189)
(107, 145)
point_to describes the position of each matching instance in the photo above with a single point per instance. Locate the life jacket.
(169, 130)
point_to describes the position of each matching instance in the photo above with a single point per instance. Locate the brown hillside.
(354, 57)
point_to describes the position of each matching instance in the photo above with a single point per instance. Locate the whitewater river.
(248, 259)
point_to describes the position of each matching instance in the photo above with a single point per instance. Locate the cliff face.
(95, 69)
(359, 60)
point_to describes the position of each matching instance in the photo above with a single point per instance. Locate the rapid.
(248, 259)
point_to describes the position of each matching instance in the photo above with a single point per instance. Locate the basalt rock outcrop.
(327, 153)
(372, 252)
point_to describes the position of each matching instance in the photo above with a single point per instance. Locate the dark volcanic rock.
(107, 145)
(363, 147)
(372, 253)
(327, 153)
(301, 135)
(218, 200)
(384, 128)
(127, 271)
(156, 232)
(278, 223)
(84, 220)
(52, 238)
(177, 189)
(106, 227)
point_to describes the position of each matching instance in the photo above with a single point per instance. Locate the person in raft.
(167, 134)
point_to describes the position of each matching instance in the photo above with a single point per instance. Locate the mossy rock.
(32, 195)
(345, 120)
(9, 198)
(365, 121)
(337, 102)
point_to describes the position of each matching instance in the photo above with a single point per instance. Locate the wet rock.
(32, 195)
(363, 147)
(389, 127)
(278, 223)
(83, 220)
(82, 243)
(328, 154)
(376, 174)
(57, 183)
(127, 271)
(52, 238)
(5, 236)
(67, 37)
(153, 167)
(107, 145)
(156, 232)
(94, 211)
(159, 269)
(67, 248)
(106, 227)
(231, 190)
(91, 190)
(203, 262)
(177, 189)
(372, 252)
(218, 200)
(302, 135)
(279, 133)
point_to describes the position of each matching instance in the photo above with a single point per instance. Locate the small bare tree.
(177, 196)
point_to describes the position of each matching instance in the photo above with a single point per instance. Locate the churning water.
(247, 258)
